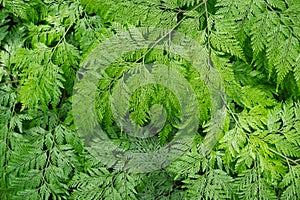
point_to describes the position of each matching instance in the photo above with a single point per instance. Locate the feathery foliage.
(255, 47)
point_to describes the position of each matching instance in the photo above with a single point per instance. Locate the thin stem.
(170, 31)
(283, 156)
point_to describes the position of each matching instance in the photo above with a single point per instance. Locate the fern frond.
(214, 184)
(291, 183)
(100, 184)
(252, 185)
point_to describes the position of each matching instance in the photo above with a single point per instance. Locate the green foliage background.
(254, 45)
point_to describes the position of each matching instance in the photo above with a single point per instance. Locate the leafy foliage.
(254, 45)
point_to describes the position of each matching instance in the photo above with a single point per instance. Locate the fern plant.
(253, 45)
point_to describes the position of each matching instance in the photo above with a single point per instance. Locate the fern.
(266, 24)
(250, 148)
(88, 185)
